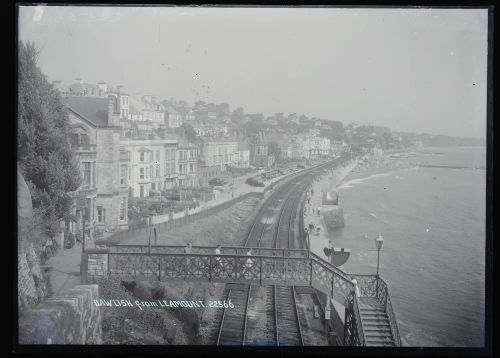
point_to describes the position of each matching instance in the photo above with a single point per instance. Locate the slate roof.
(95, 110)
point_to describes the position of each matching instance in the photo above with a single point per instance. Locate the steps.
(376, 327)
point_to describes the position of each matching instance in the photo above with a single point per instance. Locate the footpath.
(322, 184)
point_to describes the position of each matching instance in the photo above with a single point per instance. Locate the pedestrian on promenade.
(356, 287)
(217, 259)
(187, 250)
(248, 265)
(217, 265)
(319, 211)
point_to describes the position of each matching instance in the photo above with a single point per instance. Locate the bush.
(69, 240)
(216, 182)
(254, 182)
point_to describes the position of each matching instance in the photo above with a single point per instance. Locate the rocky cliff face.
(32, 286)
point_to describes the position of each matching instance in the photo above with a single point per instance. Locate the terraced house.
(187, 163)
(152, 166)
(96, 139)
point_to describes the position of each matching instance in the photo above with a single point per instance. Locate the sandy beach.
(375, 165)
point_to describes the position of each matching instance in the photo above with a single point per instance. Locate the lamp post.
(379, 241)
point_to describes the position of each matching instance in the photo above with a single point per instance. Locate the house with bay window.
(95, 136)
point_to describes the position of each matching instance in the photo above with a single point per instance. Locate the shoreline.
(375, 166)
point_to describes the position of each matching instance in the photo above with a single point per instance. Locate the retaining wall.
(68, 318)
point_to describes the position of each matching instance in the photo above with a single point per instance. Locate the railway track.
(281, 301)
(232, 329)
(286, 315)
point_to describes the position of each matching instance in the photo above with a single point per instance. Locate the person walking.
(319, 211)
(248, 265)
(356, 287)
(187, 250)
(217, 259)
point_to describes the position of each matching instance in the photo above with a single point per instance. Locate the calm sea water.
(433, 223)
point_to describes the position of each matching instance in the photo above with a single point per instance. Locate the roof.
(93, 109)
(183, 143)
(243, 146)
(218, 140)
(80, 87)
(171, 110)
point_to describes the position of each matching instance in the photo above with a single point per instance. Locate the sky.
(416, 70)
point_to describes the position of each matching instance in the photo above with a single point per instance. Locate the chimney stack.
(111, 111)
(103, 86)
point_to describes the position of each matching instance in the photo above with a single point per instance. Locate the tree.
(200, 104)
(210, 107)
(189, 132)
(222, 108)
(273, 148)
(239, 112)
(45, 157)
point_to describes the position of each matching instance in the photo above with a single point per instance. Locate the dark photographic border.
(309, 350)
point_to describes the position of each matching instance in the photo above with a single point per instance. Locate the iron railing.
(374, 287)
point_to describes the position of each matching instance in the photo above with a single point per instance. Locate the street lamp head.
(379, 241)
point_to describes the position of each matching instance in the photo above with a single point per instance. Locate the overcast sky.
(416, 70)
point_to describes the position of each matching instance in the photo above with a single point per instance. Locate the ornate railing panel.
(134, 266)
(367, 285)
(359, 323)
(393, 322)
(375, 287)
(332, 282)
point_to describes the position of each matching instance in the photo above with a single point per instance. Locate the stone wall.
(68, 318)
(94, 264)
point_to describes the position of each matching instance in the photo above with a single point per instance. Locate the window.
(191, 168)
(142, 156)
(86, 173)
(157, 155)
(151, 172)
(74, 139)
(123, 175)
(142, 173)
(142, 191)
(157, 170)
(101, 214)
(123, 204)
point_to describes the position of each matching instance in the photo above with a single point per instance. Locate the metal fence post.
(311, 274)
(261, 263)
(159, 268)
(211, 267)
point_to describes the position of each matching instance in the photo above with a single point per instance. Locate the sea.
(432, 221)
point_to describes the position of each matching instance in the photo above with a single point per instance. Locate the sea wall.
(333, 217)
(68, 318)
